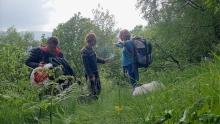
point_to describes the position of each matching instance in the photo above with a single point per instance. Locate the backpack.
(143, 52)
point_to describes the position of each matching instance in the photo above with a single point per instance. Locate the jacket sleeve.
(85, 59)
(100, 60)
(119, 45)
(34, 58)
(68, 68)
(71, 71)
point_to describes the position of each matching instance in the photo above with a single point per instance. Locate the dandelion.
(118, 109)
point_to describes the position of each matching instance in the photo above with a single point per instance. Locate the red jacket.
(41, 55)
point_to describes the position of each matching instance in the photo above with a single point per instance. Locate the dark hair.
(125, 35)
(90, 37)
(53, 40)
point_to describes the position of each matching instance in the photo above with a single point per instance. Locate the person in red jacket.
(42, 55)
(50, 53)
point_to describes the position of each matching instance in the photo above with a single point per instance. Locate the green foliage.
(72, 36)
(214, 5)
(12, 63)
(12, 36)
(191, 95)
(22, 40)
(188, 30)
(15, 89)
(105, 22)
(149, 9)
(20, 102)
(43, 40)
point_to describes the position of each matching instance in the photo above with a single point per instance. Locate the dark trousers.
(132, 71)
(94, 86)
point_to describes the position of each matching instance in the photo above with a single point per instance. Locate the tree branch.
(169, 56)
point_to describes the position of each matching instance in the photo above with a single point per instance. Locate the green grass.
(195, 91)
(184, 90)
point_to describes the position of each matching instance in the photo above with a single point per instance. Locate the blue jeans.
(132, 71)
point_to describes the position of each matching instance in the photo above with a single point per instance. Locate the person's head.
(91, 39)
(52, 44)
(124, 35)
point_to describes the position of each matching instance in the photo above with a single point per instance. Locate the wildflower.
(118, 109)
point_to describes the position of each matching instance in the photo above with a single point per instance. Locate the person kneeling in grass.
(90, 61)
(49, 54)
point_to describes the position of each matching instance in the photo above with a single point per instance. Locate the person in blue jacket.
(128, 56)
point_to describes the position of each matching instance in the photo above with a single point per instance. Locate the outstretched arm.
(119, 45)
(101, 60)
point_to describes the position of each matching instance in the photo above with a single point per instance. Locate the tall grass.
(190, 96)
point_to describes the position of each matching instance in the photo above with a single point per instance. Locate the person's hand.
(107, 61)
(48, 66)
(41, 64)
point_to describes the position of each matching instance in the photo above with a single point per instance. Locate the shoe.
(93, 97)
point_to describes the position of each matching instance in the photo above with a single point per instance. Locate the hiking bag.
(143, 52)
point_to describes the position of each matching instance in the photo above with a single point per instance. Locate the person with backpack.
(135, 54)
(128, 56)
(49, 54)
(90, 61)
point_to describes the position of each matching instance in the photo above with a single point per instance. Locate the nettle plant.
(12, 63)
(52, 93)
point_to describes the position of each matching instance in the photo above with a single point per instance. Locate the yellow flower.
(118, 109)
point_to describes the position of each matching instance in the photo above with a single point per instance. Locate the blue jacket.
(127, 53)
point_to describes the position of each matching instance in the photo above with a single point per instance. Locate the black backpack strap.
(135, 51)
